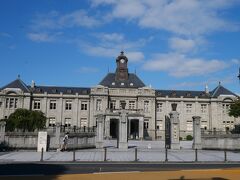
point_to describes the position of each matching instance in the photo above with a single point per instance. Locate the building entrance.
(114, 128)
(133, 129)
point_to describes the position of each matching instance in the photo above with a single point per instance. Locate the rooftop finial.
(219, 83)
(18, 76)
(206, 89)
(122, 52)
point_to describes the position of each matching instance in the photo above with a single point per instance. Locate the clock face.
(122, 60)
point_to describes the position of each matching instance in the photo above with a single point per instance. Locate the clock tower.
(122, 69)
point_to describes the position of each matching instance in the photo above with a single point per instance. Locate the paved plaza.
(152, 151)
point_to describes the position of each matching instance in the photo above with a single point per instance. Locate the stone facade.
(80, 107)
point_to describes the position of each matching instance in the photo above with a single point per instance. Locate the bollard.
(136, 159)
(105, 154)
(41, 155)
(225, 155)
(74, 155)
(196, 155)
(166, 155)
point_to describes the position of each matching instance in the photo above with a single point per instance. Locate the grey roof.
(179, 93)
(132, 82)
(220, 90)
(58, 90)
(18, 83)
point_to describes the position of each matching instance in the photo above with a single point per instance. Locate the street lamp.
(239, 74)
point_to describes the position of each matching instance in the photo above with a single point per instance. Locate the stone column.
(2, 131)
(174, 120)
(100, 131)
(140, 128)
(58, 135)
(197, 143)
(123, 144)
(107, 127)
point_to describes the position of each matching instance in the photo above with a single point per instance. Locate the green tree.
(235, 109)
(25, 120)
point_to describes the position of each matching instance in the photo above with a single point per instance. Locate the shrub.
(189, 138)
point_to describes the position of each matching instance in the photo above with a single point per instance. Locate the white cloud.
(43, 36)
(182, 45)
(110, 45)
(187, 17)
(133, 56)
(55, 20)
(112, 37)
(179, 65)
(236, 61)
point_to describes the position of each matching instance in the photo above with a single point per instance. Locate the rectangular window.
(122, 105)
(52, 121)
(83, 122)
(36, 104)
(146, 106)
(203, 108)
(146, 124)
(189, 125)
(53, 104)
(11, 104)
(83, 105)
(113, 105)
(159, 107)
(225, 108)
(7, 103)
(15, 103)
(0, 104)
(188, 108)
(99, 105)
(68, 105)
(68, 122)
(131, 104)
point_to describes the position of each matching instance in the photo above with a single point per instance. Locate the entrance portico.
(121, 125)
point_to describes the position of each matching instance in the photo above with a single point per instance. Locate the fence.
(135, 155)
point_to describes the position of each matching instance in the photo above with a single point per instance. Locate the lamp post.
(239, 75)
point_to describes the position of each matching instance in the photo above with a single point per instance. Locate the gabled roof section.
(183, 93)
(18, 83)
(58, 90)
(220, 90)
(133, 81)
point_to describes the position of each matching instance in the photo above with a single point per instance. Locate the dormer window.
(188, 94)
(54, 90)
(69, 91)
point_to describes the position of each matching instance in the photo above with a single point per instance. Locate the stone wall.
(29, 140)
(226, 141)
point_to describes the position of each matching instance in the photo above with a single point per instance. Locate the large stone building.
(146, 108)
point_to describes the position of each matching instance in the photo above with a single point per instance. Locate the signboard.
(42, 141)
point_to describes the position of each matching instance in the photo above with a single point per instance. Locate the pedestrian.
(64, 143)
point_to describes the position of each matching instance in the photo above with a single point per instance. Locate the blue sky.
(172, 44)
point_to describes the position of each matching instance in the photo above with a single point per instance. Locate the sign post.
(42, 141)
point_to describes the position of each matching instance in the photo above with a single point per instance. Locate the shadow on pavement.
(28, 171)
